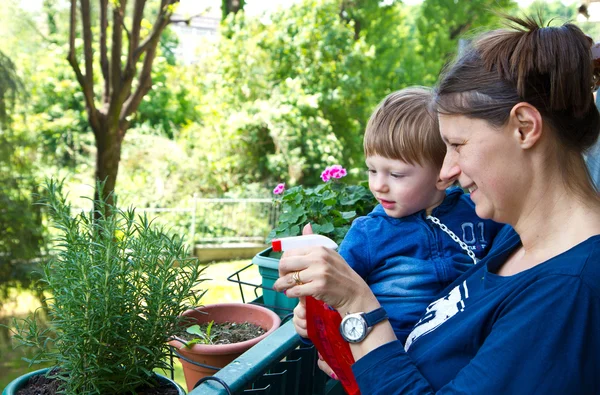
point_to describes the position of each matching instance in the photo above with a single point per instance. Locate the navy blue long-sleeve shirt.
(536, 332)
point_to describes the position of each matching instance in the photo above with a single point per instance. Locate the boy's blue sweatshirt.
(408, 261)
(535, 332)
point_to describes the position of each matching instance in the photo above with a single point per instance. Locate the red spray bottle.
(323, 322)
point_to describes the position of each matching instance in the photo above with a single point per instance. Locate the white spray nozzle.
(288, 243)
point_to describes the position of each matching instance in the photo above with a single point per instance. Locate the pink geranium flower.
(335, 171)
(279, 189)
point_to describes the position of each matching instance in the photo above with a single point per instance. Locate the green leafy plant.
(329, 207)
(204, 337)
(118, 286)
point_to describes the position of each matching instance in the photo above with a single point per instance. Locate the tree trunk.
(125, 66)
(108, 156)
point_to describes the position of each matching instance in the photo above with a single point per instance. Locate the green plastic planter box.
(268, 267)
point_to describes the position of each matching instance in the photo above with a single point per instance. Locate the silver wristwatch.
(356, 326)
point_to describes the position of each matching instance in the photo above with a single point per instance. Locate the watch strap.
(376, 316)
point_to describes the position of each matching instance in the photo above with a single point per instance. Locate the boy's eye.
(396, 175)
(371, 171)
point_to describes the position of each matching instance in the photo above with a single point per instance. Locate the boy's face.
(401, 188)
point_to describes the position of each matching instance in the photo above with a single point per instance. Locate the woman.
(516, 112)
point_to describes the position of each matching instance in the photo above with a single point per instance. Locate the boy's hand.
(300, 319)
(325, 368)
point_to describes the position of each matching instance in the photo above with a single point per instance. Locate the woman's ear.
(526, 124)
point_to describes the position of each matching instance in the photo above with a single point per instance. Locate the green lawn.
(219, 290)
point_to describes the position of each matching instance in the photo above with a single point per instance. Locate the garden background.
(258, 99)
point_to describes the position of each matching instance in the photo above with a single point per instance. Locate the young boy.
(402, 248)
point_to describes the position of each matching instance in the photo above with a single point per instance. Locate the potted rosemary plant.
(117, 286)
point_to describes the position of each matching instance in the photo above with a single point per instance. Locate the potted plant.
(219, 333)
(329, 207)
(117, 286)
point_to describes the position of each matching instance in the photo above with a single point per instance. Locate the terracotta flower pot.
(219, 355)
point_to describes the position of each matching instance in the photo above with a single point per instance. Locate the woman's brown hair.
(547, 67)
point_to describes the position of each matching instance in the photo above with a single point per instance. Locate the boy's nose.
(378, 184)
(450, 170)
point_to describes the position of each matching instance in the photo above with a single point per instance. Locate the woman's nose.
(450, 170)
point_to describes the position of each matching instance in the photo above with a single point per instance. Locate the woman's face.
(486, 161)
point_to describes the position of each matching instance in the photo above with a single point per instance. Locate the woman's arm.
(543, 341)
(327, 277)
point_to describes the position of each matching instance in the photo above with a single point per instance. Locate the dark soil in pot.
(42, 385)
(228, 332)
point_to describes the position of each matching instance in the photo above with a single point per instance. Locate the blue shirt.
(592, 157)
(536, 332)
(408, 261)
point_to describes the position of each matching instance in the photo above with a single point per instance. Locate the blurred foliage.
(168, 106)
(557, 12)
(231, 6)
(287, 93)
(10, 86)
(268, 99)
(22, 234)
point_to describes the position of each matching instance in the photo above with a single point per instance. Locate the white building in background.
(193, 36)
(204, 23)
(204, 17)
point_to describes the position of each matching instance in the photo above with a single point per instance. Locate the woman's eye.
(456, 146)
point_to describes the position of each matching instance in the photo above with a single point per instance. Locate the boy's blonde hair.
(404, 127)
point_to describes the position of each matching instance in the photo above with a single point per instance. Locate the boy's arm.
(355, 248)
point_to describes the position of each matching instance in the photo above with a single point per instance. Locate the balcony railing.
(279, 365)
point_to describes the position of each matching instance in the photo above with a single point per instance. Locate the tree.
(441, 23)
(289, 96)
(365, 13)
(124, 83)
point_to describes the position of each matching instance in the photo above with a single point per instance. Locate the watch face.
(353, 328)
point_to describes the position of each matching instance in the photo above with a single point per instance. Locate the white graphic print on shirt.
(439, 312)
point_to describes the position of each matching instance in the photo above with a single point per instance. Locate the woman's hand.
(301, 328)
(322, 273)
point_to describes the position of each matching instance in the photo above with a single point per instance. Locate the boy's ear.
(526, 124)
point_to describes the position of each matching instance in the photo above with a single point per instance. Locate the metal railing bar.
(254, 362)
(234, 200)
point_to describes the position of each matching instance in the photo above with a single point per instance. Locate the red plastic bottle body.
(323, 325)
